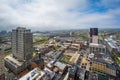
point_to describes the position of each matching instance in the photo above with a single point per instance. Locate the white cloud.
(52, 14)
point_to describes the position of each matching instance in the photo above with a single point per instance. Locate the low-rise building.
(61, 66)
(102, 67)
(111, 70)
(49, 74)
(111, 44)
(2, 76)
(72, 72)
(74, 58)
(99, 65)
(35, 74)
(97, 48)
(57, 66)
(37, 63)
(14, 65)
(80, 74)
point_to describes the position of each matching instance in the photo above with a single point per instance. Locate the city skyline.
(62, 55)
(59, 14)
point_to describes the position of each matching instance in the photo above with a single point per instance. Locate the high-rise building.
(22, 43)
(21, 50)
(93, 31)
(94, 35)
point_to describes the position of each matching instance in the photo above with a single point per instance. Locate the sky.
(43, 15)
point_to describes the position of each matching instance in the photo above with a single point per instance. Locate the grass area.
(116, 58)
(56, 47)
(6, 53)
(38, 39)
(35, 53)
(65, 59)
(41, 41)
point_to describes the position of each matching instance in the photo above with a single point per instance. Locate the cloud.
(58, 14)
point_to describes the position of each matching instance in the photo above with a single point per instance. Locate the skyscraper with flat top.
(93, 31)
(22, 43)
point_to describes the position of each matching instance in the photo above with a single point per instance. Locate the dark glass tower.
(93, 31)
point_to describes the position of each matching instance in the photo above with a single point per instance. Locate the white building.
(95, 39)
(35, 74)
(97, 48)
(111, 44)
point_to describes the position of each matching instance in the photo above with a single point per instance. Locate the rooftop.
(72, 70)
(60, 65)
(111, 42)
(49, 73)
(50, 64)
(36, 74)
(81, 73)
(75, 58)
(97, 45)
(13, 61)
(106, 63)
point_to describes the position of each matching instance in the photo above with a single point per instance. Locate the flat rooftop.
(97, 45)
(60, 65)
(69, 52)
(111, 42)
(75, 58)
(13, 61)
(35, 74)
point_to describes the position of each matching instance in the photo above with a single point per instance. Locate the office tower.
(93, 31)
(94, 35)
(21, 51)
(22, 43)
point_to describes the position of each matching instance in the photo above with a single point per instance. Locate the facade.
(95, 39)
(22, 43)
(14, 65)
(102, 67)
(97, 48)
(111, 70)
(98, 66)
